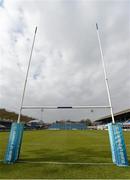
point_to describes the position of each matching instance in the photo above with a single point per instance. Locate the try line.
(64, 163)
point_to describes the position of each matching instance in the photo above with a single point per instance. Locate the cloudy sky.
(66, 64)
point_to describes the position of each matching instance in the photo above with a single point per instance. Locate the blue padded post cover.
(14, 143)
(118, 148)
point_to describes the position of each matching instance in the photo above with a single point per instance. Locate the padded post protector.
(118, 148)
(14, 143)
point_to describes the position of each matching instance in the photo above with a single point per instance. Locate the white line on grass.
(91, 145)
(64, 163)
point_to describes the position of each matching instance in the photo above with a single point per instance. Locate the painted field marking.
(63, 163)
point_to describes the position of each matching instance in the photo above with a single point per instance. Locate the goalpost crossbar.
(64, 107)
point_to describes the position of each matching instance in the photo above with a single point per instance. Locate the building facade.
(120, 117)
(63, 125)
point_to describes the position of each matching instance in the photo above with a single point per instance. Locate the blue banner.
(14, 143)
(118, 148)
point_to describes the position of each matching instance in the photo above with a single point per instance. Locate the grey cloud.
(66, 65)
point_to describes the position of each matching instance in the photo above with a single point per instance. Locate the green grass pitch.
(43, 146)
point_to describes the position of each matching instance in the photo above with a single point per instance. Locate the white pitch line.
(95, 145)
(63, 163)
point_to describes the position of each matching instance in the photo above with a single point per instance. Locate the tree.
(88, 122)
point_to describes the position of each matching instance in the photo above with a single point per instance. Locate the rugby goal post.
(119, 155)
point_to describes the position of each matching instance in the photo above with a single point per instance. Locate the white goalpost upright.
(26, 78)
(17, 128)
(105, 75)
(117, 143)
